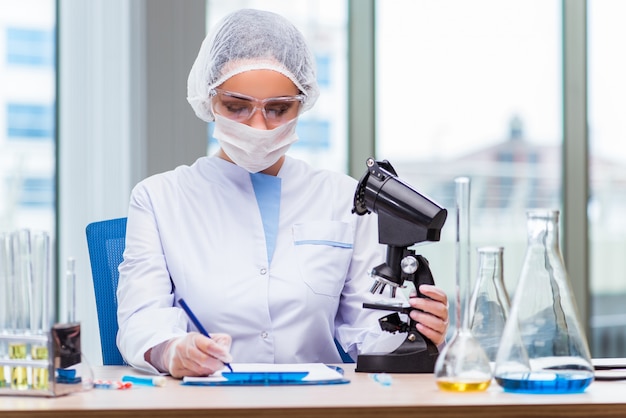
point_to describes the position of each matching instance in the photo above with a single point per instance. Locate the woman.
(263, 247)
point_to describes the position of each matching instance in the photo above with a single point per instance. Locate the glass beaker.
(462, 365)
(543, 348)
(489, 307)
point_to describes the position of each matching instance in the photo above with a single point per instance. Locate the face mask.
(251, 148)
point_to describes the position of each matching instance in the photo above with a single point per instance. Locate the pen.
(197, 323)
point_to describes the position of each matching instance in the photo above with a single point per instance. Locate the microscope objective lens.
(375, 287)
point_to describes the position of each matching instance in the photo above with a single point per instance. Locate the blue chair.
(106, 241)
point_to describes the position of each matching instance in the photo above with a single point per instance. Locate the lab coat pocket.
(323, 251)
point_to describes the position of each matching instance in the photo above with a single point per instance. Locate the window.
(29, 121)
(607, 172)
(27, 116)
(31, 47)
(473, 89)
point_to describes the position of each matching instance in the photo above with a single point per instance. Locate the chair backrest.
(106, 241)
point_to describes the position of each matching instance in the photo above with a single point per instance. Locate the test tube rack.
(35, 372)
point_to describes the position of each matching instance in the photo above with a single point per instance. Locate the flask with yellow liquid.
(462, 365)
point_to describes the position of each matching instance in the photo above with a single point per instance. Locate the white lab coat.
(196, 233)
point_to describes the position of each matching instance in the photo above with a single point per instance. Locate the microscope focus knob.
(409, 264)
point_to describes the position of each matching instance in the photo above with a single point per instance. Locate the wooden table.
(409, 395)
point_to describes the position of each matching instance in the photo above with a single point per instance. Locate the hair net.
(250, 40)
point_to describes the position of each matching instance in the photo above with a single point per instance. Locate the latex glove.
(431, 314)
(194, 354)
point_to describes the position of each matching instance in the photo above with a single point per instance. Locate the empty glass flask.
(489, 306)
(543, 348)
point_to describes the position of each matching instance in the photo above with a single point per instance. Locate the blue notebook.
(257, 374)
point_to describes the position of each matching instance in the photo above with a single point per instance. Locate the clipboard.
(258, 374)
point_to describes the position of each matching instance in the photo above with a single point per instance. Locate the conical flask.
(489, 307)
(462, 365)
(543, 348)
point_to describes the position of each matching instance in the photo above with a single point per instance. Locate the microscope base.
(420, 359)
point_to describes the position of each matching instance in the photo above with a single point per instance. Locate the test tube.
(40, 313)
(6, 300)
(71, 289)
(7, 268)
(23, 280)
(463, 277)
(22, 291)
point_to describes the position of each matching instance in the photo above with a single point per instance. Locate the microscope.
(405, 218)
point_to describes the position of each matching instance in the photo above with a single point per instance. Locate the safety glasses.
(240, 108)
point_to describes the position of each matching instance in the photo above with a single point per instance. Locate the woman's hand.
(196, 355)
(431, 314)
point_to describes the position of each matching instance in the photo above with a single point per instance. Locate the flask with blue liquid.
(543, 347)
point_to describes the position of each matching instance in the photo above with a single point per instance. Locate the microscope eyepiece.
(405, 216)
